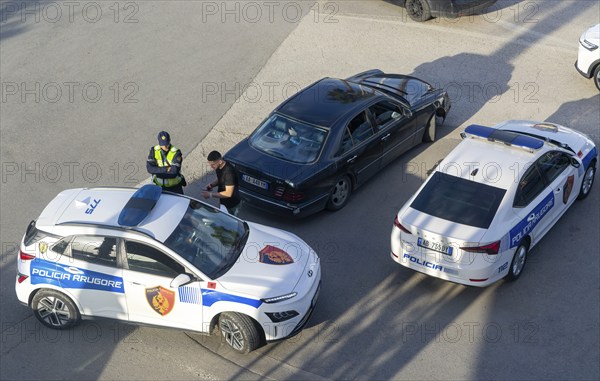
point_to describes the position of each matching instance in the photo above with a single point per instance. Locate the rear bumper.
(454, 9)
(282, 208)
(480, 277)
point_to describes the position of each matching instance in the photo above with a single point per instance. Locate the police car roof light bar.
(509, 138)
(139, 205)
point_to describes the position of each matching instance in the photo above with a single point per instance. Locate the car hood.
(271, 264)
(410, 88)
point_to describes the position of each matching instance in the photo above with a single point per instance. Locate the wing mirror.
(575, 163)
(181, 280)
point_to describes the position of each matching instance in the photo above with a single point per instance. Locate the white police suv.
(588, 58)
(157, 258)
(491, 200)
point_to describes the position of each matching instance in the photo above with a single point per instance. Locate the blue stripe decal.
(46, 272)
(189, 294)
(210, 297)
(589, 157)
(526, 225)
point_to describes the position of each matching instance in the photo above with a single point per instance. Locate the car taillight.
(289, 195)
(25, 256)
(399, 226)
(491, 248)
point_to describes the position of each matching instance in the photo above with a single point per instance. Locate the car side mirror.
(575, 163)
(181, 280)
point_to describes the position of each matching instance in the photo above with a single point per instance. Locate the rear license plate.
(255, 182)
(435, 246)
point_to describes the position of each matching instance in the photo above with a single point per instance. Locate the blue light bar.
(507, 137)
(139, 205)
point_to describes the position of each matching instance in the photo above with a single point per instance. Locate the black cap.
(164, 139)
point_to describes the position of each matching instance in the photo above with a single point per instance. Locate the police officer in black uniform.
(226, 183)
(164, 164)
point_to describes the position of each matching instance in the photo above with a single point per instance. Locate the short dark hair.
(214, 155)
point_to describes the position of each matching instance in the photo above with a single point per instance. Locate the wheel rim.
(54, 311)
(416, 8)
(519, 261)
(340, 192)
(597, 79)
(588, 180)
(232, 334)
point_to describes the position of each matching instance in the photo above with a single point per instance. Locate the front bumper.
(304, 305)
(282, 208)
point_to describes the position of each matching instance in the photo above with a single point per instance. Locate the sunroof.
(139, 205)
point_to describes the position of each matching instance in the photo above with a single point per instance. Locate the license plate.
(256, 182)
(435, 246)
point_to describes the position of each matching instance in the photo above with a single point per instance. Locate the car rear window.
(288, 139)
(458, 200)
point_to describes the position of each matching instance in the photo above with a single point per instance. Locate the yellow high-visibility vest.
(171, 182)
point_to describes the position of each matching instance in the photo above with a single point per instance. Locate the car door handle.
(386, 137)
(137, 284)
(351, 160)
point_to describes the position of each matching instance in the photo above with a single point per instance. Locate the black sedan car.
(315, 148)
(423, 10)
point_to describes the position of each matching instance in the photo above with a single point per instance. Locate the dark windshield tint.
(208, 239)
(459, 200)
(289, 140)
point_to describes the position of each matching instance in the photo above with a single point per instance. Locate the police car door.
(534, 204)
(91, 274)
(561, 176)
(151, 296)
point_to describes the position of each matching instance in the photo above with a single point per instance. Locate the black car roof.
(326, 101)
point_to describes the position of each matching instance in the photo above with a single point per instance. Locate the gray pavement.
(374, 320)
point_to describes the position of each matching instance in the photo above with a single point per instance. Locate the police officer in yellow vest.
(164, 164)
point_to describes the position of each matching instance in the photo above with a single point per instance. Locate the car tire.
(55, 310)
(340, 194)
(588, 181)
(596, 77)
(517, 265)
(418, 10)
(430, 129)
(239, 332)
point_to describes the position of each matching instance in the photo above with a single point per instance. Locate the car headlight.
(280, 298)
(278, 317)
(588, 45)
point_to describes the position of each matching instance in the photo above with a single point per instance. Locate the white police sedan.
(491, 200)
(157, 258)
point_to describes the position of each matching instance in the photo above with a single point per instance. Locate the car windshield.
(209, 239)
(458, 200)
(288, 139)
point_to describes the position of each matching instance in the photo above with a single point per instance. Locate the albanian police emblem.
(272, 255)
(160, 299)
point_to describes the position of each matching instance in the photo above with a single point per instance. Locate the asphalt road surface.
(86, 86)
